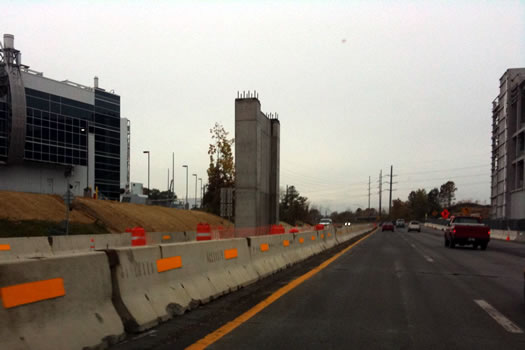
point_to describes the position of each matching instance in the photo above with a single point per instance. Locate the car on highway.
(400, 223)
(387, 226)
(325, 221)
(348, 223)
(414, 226)
(466, 230)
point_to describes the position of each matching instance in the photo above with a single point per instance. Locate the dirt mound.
(119, 216)
(21, 206)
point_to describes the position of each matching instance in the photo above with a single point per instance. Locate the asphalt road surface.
(398, 291)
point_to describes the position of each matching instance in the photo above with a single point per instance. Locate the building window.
(520, 174)
(520, 151)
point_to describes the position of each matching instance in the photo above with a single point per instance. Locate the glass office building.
(59, 132)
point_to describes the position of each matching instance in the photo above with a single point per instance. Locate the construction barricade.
(152, 284)
(138, 237)
(203, 232)
(58, 303)
(271, 253)
(24, 247)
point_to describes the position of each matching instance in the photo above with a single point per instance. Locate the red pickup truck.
(466, 230)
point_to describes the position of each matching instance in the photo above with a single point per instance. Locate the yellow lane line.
(230, 326)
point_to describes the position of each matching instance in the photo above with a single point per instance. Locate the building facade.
(508, 147)
(59, 133)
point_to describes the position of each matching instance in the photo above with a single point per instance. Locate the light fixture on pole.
(148, 171)
(186, 205)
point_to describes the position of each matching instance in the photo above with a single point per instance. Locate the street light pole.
(200, 179)
(186, 204)
(195, 189)
(148, 173)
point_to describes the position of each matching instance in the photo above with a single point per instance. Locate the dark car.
(387, 226)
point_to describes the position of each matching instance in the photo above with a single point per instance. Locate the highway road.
(390, 291)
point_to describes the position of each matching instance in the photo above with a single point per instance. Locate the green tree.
(314, 216)
(221, 172)
(433, 201)
(156, 194)
(447, 193)
(293, 207)
(418, 203)
(400, 210)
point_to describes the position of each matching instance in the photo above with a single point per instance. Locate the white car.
(414, 226)
(326, 221)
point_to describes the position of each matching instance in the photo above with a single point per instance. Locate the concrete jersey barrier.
(165, 237)
(86, 243)
(306, 244)
(271, 253)
(24, 247)
(58, 303)
(152, 284)
(91, 298)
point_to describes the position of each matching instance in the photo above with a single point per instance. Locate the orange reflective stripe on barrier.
(313, 238)
(286, 243)
(329, 235)
(166, 237)
(322, 235)
(166, 264)
(31, 292)
(230, 253)
(265, 247)
(5, 247)
(301, 240)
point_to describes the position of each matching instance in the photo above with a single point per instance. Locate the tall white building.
(508, 147)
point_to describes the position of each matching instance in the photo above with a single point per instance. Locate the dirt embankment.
(115, 216)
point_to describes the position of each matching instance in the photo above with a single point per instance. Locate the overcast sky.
(358, 85)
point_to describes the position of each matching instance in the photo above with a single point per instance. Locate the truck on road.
(467, 230)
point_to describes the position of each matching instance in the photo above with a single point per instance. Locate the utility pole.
(390, 196)
(195, 189)
(200, 179)
(369, 193)
(172, 187)
(391, 183)
(186, 205)
(380, 189)
(168, 181)
(147, 152)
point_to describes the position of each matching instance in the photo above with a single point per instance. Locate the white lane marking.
(429, 259)
(498, 317)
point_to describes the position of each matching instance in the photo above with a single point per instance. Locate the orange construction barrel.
(138, 236)
(276, 229)
(203, 232)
